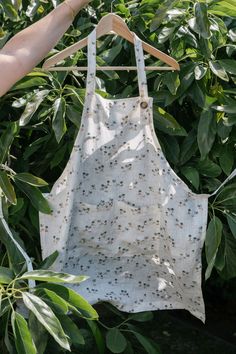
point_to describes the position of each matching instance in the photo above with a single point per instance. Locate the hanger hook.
(112, 5)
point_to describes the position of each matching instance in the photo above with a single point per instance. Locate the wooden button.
(144, 104)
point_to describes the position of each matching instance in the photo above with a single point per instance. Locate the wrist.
(70, 8)
(76, 5)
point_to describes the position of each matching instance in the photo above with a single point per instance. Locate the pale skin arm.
(28, 47)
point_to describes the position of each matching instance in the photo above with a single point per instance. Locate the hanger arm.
(115, 24)
(65, 53)
(106, 68)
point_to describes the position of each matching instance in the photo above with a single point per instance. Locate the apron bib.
(121, 215)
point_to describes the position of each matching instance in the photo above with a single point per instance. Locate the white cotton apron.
(120, 213)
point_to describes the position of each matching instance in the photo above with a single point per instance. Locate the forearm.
(27, 48)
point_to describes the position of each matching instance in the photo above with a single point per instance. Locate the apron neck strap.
(91, 75)
(142, 78)
(91, 81)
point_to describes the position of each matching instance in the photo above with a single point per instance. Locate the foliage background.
(194, 114)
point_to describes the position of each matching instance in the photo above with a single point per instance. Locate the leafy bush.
(194, 117)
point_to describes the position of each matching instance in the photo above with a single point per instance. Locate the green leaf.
(200, 72)
(55, 302)
(46, 317)
(32, 106)
(35, 196)
(165, 34)
(34, 218)
(196, 92)
(97, 335)
(14, 209)
(200, 23)
(206, 132)
(30, 179)
(9, 9)
(231, 109)
(59, 156)
(228, 65)
(32, 8)
(230, 49)
(186, 78)
(167, 123)
(71, 330)
(8, 341)
(4, 38)
(58, 121)
(170, 148)
(206, 48)
(7, 139)
(208, 168)
(172, 81)
(39, 334)
(146, 343)
(4, 306)
(218, 70)
(16, 259)
(27, 83)
(6, 275)
(226, 159)
(212, 242)
(7, 188)
(81, 304)
(53, 277)
(74, 299)
(35, 146)
(227, 196)
(223, 131)
(110, 54)
(123, 9)
(141, 316)
(188, 37)
(191, 174)
(160, 13)
(77, 93)
(22, 335)
(47, 262)
(232, 34)
(74, 115)
(232, 225)
(223, 8)
(115, 340)
(188, 147)
(178, 48)
(219, 261)
(229, 254)
(37, 73)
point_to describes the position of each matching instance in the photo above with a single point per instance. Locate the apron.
(121, 215)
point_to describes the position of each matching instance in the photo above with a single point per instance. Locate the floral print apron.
(121, 215)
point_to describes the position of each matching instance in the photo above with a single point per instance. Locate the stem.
(103, 325)
(219, 209)
(127, 319)
(11, 304)
(3, 258)
(222, 201)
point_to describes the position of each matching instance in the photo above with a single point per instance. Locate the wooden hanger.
(110, 23)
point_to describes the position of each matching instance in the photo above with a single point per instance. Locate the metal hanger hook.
(112, 5)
